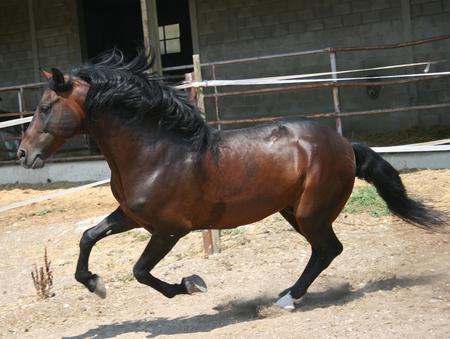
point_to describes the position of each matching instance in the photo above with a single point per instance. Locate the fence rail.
(334, 83)
(210, 238)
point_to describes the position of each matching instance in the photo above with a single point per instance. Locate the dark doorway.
(175, 38)
(111, 23)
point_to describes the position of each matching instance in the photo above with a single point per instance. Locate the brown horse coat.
(171, 173)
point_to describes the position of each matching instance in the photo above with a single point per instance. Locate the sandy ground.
(392, 280)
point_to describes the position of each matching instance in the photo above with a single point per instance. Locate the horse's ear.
(58, 77)
(45, 74)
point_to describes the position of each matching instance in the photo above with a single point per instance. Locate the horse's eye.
(45, 108)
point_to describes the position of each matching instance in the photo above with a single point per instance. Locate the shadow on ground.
(344, 293)
(248, 310)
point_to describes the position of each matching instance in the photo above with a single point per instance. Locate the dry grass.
(43, 279)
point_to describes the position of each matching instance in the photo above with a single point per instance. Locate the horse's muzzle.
(21, 154)
(26, 161)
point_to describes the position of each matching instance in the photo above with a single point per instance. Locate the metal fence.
(80, 148)
(336, 113)
(85, 146)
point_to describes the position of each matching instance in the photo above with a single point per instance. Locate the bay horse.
(172, 173)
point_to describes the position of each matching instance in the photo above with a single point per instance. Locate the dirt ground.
(392, 280)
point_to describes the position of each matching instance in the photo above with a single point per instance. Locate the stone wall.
(246, 28)
(57, 40)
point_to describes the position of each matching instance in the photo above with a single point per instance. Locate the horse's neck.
(116, 140)
(127, 147)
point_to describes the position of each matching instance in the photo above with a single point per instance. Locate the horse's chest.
(154, 206)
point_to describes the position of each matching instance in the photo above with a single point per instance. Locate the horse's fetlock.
(170, 294)
(80, 277)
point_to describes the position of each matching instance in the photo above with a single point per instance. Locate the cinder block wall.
(58, 43)
(246, 28)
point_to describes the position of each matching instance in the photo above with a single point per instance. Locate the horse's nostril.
(21, 154)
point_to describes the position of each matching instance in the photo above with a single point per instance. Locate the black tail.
(377, 171)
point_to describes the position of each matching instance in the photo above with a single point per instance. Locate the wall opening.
(111, 23)
(175, 37)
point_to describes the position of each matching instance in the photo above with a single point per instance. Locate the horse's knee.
(87, 240)
(140, 274)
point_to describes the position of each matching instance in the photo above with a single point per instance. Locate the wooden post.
(211, 241)
(211, 238)
(336, 100)
(198, 77)
(194, 26)
(409, 58)
(151, 32)
(34, 44)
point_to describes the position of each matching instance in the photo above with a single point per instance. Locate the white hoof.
(100, 288)
(287, 302)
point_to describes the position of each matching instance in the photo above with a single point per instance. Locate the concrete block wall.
(432, 18)
(57, 37)
(245, 28)
(57, 33)
(16, 65)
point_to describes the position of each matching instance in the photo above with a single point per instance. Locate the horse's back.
(318, 144)
(267, 168)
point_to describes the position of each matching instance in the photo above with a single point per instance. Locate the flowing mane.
(129, 87)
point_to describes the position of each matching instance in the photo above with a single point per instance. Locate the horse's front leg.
(157, 248)
(114, 223)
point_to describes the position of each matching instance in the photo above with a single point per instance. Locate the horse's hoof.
(286, 302)
(282, 293)
(194, 284)
(100, 288)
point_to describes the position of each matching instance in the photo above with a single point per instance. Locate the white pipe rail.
(15, 122)
(52, 195)
(300, 80)
(276, 79)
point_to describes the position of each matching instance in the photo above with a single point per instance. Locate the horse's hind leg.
(157, 248)
(289, 215)
(324, 248)
(313, 219)
(114, 223)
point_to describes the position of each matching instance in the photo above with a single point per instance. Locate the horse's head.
(59, 115)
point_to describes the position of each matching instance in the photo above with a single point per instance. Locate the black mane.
(128, 86)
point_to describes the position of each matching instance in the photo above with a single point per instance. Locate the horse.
(172, 173)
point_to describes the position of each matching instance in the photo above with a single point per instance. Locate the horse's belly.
(244, 199)
(250, 211)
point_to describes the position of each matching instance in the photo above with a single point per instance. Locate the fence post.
(198, 77)
(336, 101)
(21, 107)
(216, 98)
(211, 238)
